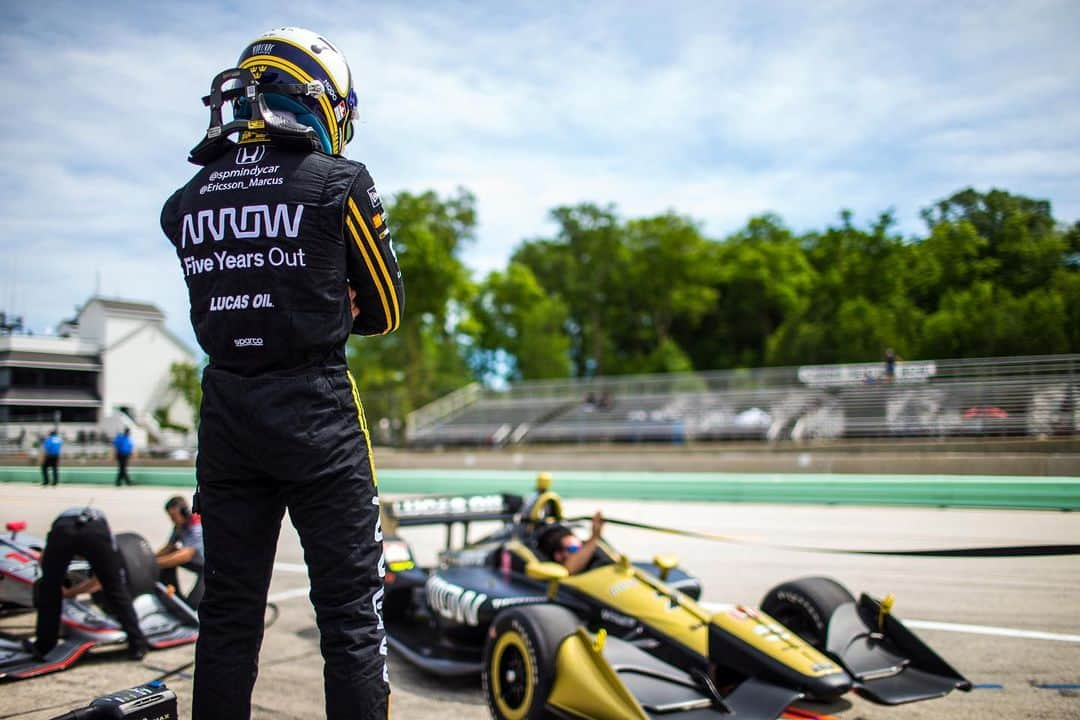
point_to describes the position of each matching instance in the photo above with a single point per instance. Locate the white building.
(106, 369)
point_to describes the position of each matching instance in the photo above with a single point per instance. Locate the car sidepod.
(744, 642)
(738, 643)
(20, 553)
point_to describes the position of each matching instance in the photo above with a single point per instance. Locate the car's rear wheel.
(805, 606)
(519, 659)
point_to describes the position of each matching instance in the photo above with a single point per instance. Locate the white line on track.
(989, 630)
(289, 594)
(291, 567)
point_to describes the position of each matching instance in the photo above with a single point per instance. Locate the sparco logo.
(249, 221)
(248, 342)
(250, 154)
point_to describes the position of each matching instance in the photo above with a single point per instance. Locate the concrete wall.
(1060, 459)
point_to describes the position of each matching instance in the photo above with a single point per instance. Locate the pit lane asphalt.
(1037, 594)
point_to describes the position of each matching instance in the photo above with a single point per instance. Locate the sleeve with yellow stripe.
(372, 265)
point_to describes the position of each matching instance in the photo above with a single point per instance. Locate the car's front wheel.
(805, 606)
(519, 659)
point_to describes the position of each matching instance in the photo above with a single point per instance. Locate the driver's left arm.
(580, 560)
(371, 265)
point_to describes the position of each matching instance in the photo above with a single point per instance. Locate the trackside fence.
(1032, 396)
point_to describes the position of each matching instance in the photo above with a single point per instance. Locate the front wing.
(889, 663)
(611, 679)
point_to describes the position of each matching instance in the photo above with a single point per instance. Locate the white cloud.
(719, 112)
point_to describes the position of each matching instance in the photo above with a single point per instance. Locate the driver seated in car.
(566, 548)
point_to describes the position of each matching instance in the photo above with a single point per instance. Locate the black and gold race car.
(626, 640)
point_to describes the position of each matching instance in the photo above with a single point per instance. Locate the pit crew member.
(183, 549)
(83, 531)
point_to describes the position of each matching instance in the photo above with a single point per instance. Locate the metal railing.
(1032, 396)
(444, 407)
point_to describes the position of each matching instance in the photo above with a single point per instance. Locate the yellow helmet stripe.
(286, 66)
(314, 57)
(302, 76)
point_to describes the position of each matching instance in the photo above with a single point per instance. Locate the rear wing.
(450, 509)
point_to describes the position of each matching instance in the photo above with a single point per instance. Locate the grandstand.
(1014, 396)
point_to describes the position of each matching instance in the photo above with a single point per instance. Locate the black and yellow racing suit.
(268, 240)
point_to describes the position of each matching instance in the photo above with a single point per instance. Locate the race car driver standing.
(284, 247)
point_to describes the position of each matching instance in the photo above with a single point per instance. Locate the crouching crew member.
(183, 549)
(83, 531)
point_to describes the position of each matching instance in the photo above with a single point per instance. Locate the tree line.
(993, 274)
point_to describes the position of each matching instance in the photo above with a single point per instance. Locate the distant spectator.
(891, 359)
(994, 412)
(1066, 411)
(606, 401)
(590, 402)
(51, 446)
(123, 445)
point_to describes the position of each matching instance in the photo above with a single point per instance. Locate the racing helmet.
(549, 538)
(290, 56)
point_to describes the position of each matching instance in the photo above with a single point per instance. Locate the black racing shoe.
(31, 647)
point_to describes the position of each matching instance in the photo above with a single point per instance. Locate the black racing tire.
(806, 605)
(139, 563)
(519, 659)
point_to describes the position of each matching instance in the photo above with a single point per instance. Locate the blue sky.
(718, 110)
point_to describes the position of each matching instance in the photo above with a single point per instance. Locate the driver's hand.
(597, 524)
(352, 302)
